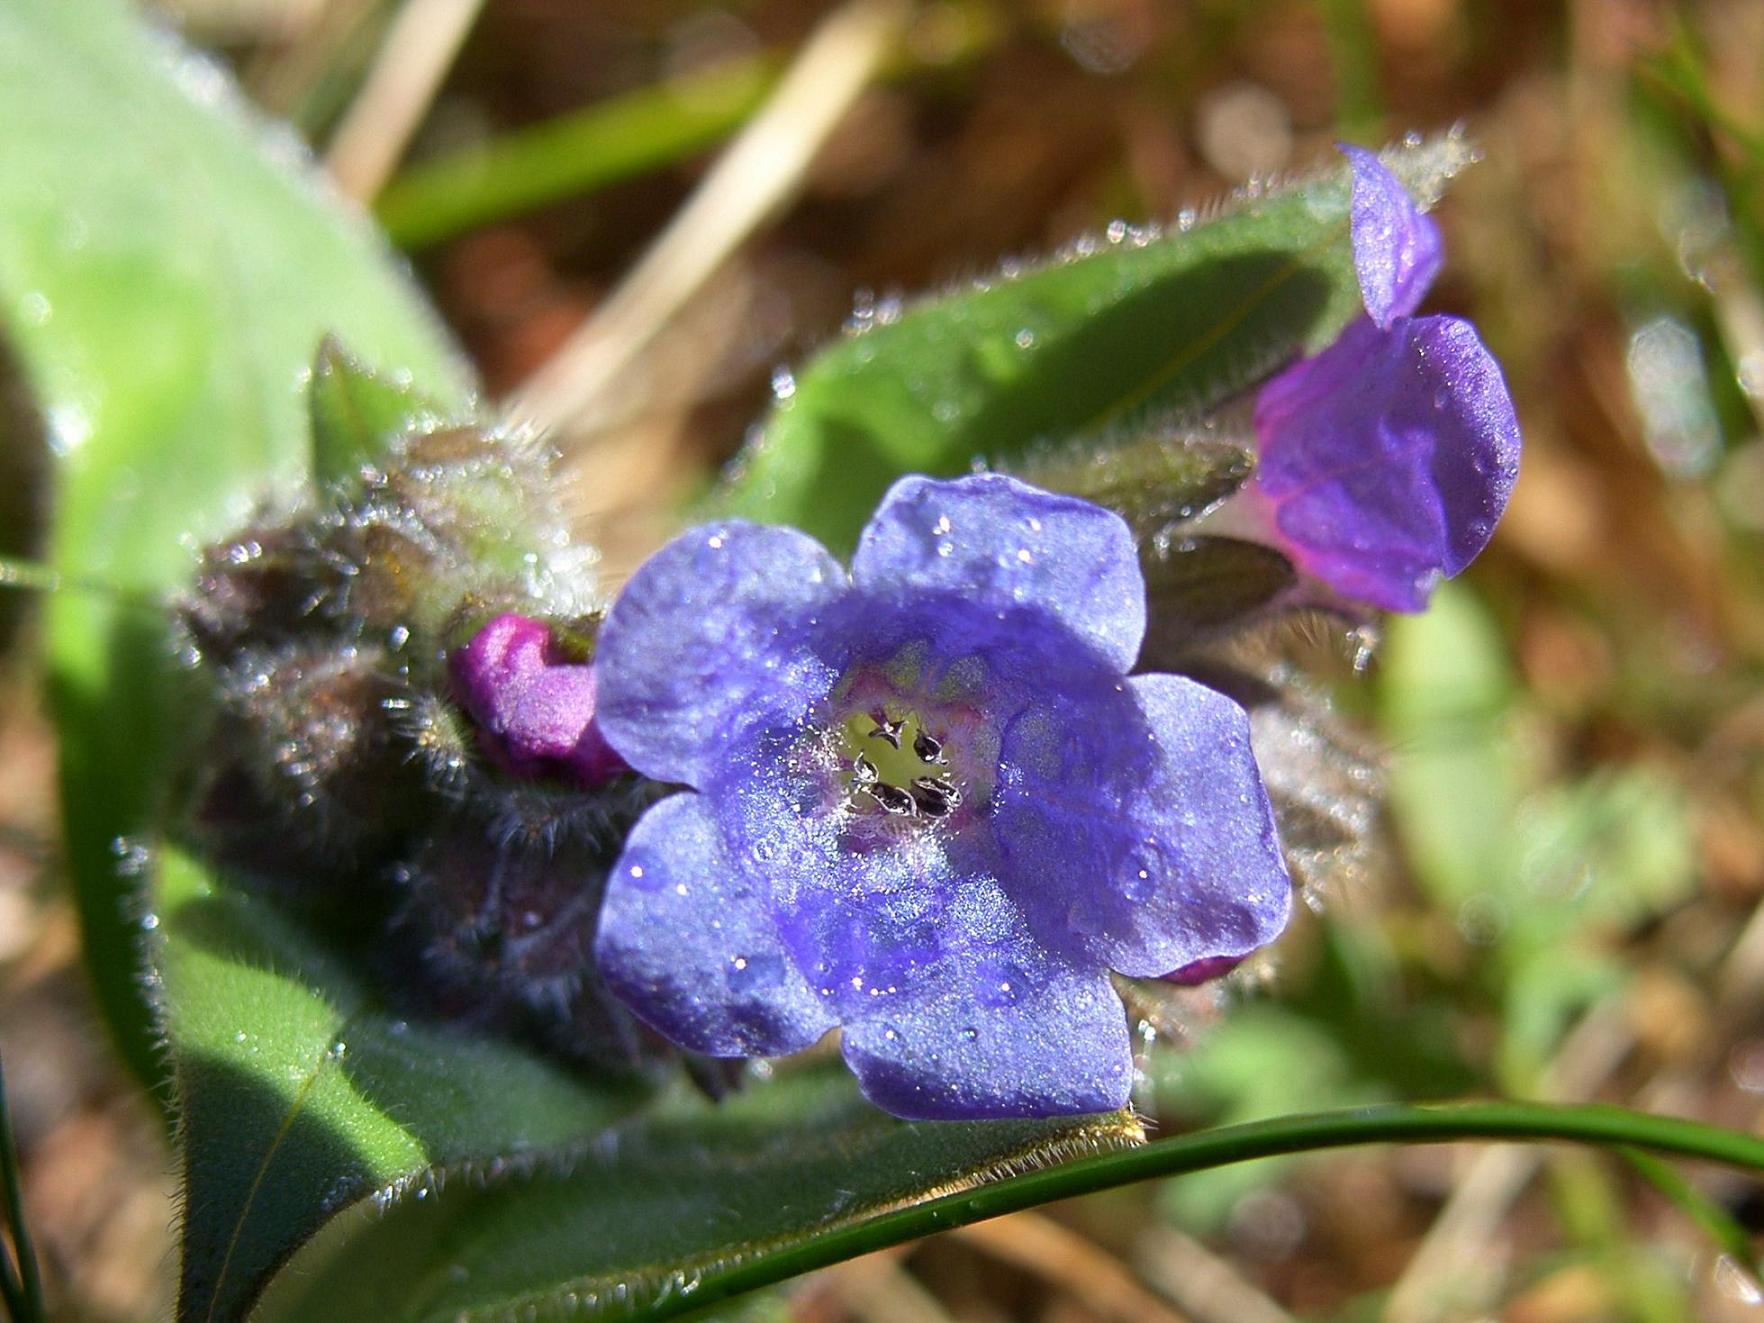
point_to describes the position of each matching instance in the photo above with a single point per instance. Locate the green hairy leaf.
(685, 1193)
(299, 1095)
(1155, 480)
(1098, 345)
(164, 297)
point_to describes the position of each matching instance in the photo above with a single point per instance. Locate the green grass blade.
(1598, 1125)
(573, 154)
(1727, 1234)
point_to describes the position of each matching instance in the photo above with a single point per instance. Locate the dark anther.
(892, 798)
(935, 797)
(863, 772)
(887, 730)
(928, 749)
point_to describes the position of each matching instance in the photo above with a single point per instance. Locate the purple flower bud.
(1385, 461)
(534, 708)
(929, 806)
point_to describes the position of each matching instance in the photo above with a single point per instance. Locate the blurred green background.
(1574, 734)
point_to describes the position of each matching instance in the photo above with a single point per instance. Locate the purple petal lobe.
(992, 1025)
(1136, 829)
(687, 940)
(1006, 546)
(1388, 458)
(705, 638)
(1397, 249)
(535, 711)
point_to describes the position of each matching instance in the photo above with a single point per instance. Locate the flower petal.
(705, 637)
(993, 1025)
(1389, 457)
(1136, 830)
(1005, 545)
(1397, 249)
(688, 942)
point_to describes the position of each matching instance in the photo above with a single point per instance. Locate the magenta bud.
(533, 707)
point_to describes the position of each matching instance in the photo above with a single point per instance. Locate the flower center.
(895, 764)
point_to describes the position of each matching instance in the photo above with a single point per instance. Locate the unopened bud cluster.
(342, 771)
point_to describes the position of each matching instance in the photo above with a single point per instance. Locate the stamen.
(892, 798)
(936, 797)
(907, 775)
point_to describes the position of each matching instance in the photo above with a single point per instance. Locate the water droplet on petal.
(1140, 872)
(997, 983)
(755, 973)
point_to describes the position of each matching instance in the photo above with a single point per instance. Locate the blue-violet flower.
(533, 707)
(1385, 461)
(928, 805)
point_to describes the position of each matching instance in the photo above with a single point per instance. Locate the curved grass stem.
(1182, 1154)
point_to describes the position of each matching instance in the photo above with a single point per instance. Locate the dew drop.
(997, 983)
(783, 383)
(1138, 874)
(134, 858)
(1025, 338)
(756, 972)
(69, 427)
